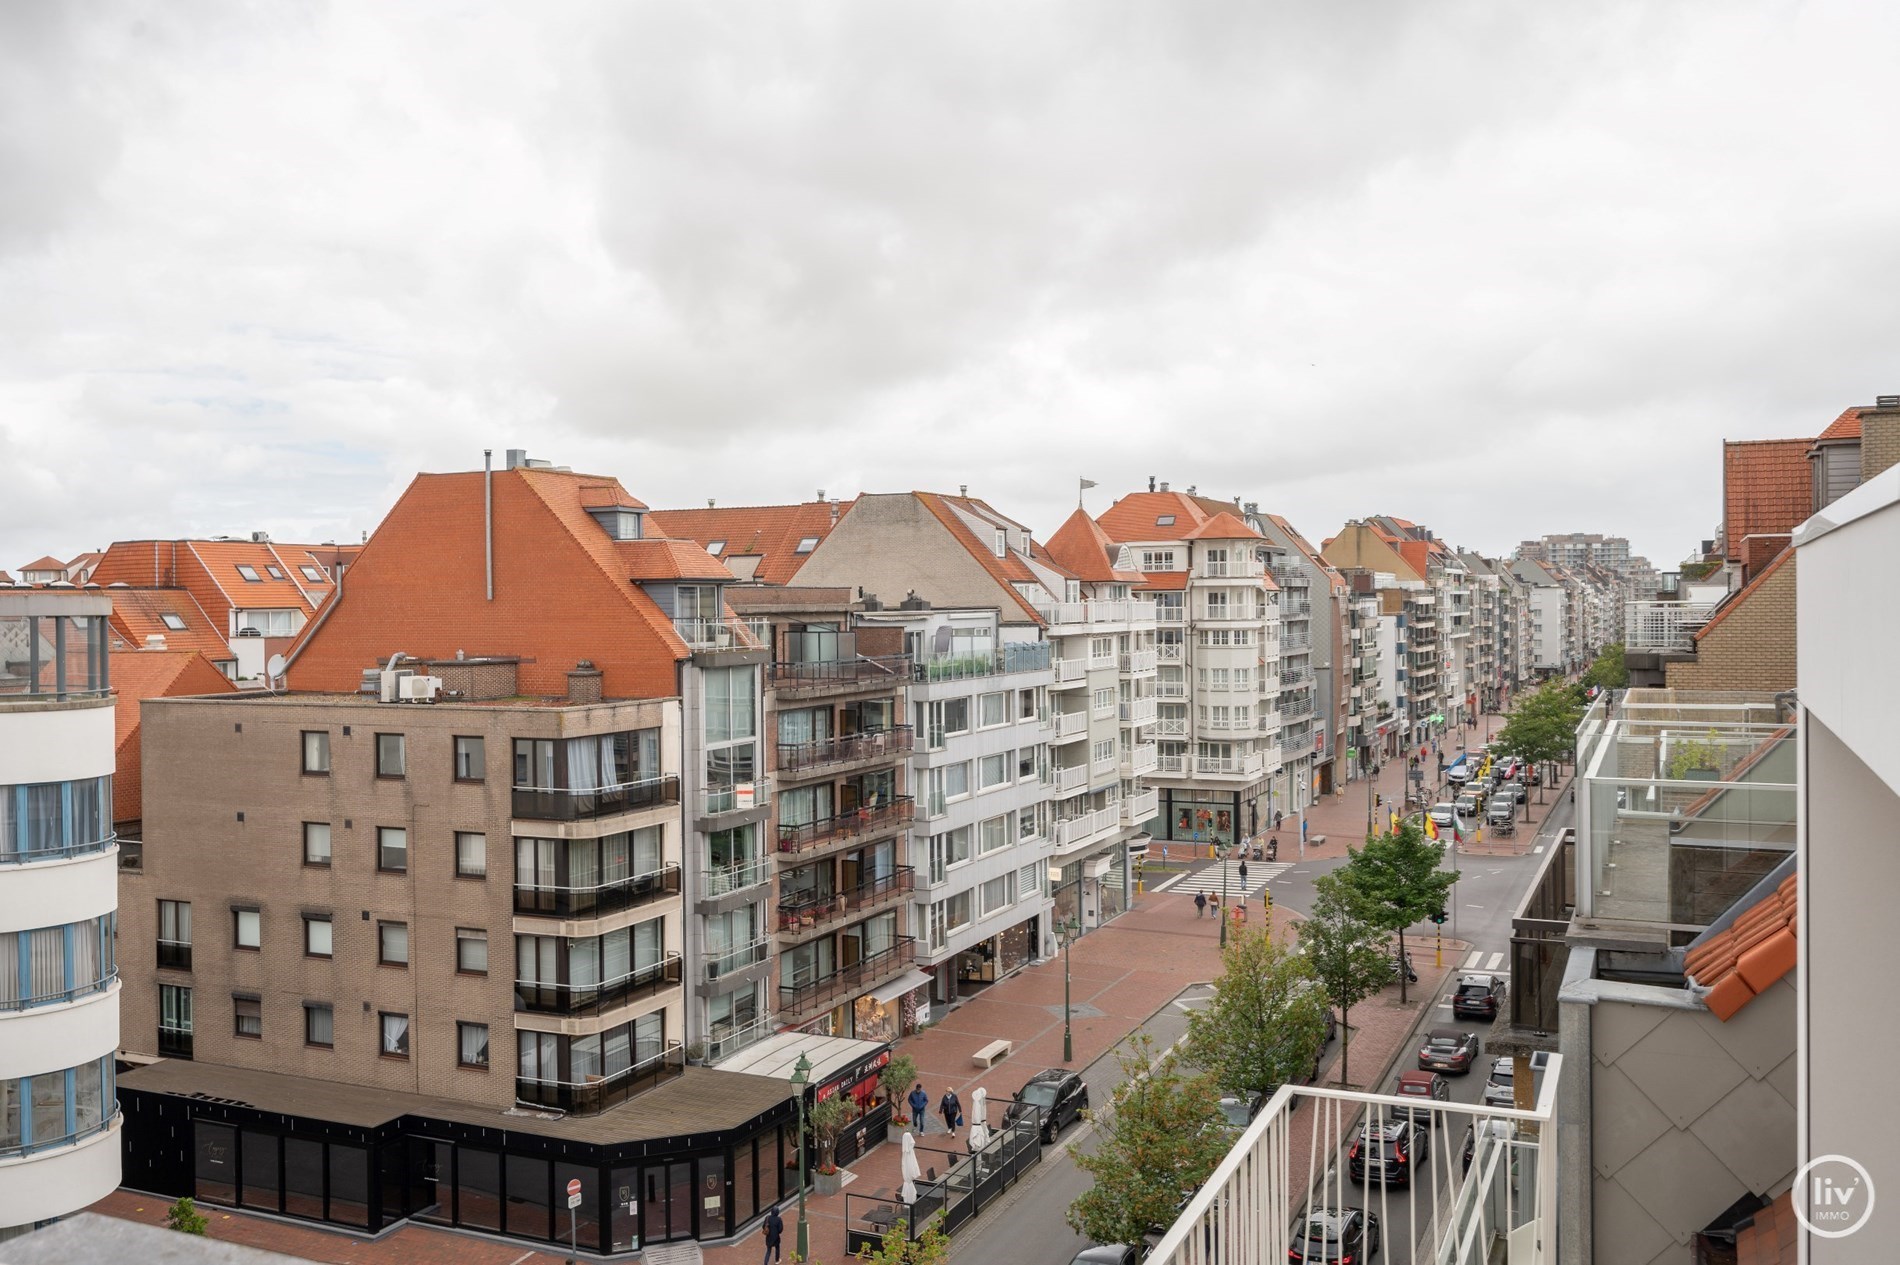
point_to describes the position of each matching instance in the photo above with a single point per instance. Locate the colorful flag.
(1431, 827)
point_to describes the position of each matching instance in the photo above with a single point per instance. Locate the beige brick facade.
(1879, 441)
(1751, 647)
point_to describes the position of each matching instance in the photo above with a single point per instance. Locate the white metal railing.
(1101, 662)
(1140, 807)
(1171, 689)
(1119, 611)
(1070, 779)
(1071, 670)
(1139, 711)
(1171, 727)
(1074, 831)
(1499, 1206)
(1233, 568)
(1169, 614)
(1139, 661)
(1139, 759)
(1667, 626)
(732, 878)
(1171, 764)
(1230, 613)
(1168, 652)
(1071, 725)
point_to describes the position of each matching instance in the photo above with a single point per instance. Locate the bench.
(989, 1054)
(1315, 841)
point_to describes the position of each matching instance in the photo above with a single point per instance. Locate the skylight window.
(174, 622)
(806, 544)
(274, 573)
(249, 573)
(715, 547)
(312, 574)
(1164, 520)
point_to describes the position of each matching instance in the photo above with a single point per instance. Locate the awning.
(777, 1055)
(899, 986)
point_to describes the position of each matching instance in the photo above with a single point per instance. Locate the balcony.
(738, 797)
(1290, 577)
(806, 914)
(828, 753)
(1139, 711)
(1139, 759)
(1139, 662)
(594, 999)
(174, 1043)
(725, 879)
(1244, 568)
(840, 676)
(1168, 651)
(1292, 642)
(1297, 706)
(721, 961)
(1270, 721)
(541, 803)
(174, 955)
(1070, 670)
(1171, 689)
(800, 1001)
(1250, 766)
(851, 824)
(1140, 807)
(1023, 656)
(1294, 1158)
(720, 634)
(726, 1038)
(1068, 617)
(1075, 832)
(1171, 765)
(597, 1093)
(1071, 725)
(1297, 743)
(1663, 627)
(1231, 613)
(1295, 676)
(601, 898)
(1070, 780)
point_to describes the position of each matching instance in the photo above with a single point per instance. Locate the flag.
(1087, 484)
(1431, 827)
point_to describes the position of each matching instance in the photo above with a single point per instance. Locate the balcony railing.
(1140, 807)
(1171, 689)
(1071, 725)
(723, 879)
(1172, 765)
(1290, 577)
(536, 803)
(800, 998)
(59, 851)
(1288, 1164)
(719, 634)
(597, 1093)
(1136, 662)
(826, 675)
(847, 825)
(1068, 670)
(726, 1038)
(722, 960)
(591, 999)
(1233, 613)
(1139, 711)
(1298, 705)
(1169, 614)
(1295, 641)
(795, 757)
(1139, 759)
(600, 898)
(174, 955)
(1069, 780)
(1168, 651)
(1233, 568)
(1015, 656)
(174, 1043)
(808, 913)
(735, 797)
(1663, 626)
(1074, 831)
(1072, 614)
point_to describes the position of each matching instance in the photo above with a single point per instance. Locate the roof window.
(715, 547)
(249, 573)
(174, 622)
(806, 544)
(1164, 520)
(312, 574)
(273, 572)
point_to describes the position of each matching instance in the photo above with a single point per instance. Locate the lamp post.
(1068, 1037)
(801, 1076)
(1226, 852)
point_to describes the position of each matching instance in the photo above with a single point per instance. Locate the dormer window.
(715, 547)
(619, 524)
(806, 544)
(1002, 542)
(311, 574)
(249, 573)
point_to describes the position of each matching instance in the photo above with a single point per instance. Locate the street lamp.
(801, 1076)
(1068, 932)
(1225, 854)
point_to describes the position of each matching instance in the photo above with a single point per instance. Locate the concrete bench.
(1315, 841)
(991, 1053)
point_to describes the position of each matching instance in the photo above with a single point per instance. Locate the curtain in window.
(47, 966)
(649, 1036)
(534, 863)
(9, 968)
(583, 961)
(616, 954)
(584, 1058)
(474, 1044)
(89, 1091)
(583, 863)
(45, 826)
(395, 1034)
(618, 1051)
(540, 1056)
(613, 859)
(535, 958)
(584, 763)
(643, 851)
(86, 938)
(648, 943)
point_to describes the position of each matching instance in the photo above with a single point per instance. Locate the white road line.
(1477, 956)
(1537, 850)
(1474, 906)
(1497, 960)
(1162, 887)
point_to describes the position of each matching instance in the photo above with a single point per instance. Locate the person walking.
(1243, 876)
(919, 1102)
(774, 1231)
(950, 1107)
(1213, 903)
(1200, 904)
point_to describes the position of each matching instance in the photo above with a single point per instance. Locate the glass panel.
(744, 1178)
(258, 1155)
(303, 1178)
(583, 1221)
(437, 1171)
(623, 1219)
(478, 1189)
(528, 1197)
(215, 1164)
(712, 1195)
(349, 1184)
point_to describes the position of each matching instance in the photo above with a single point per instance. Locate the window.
(998, 893)
(471, 760)
(319, 1024)
(316, 935)
(392, 848)
(1002, 542)
(174, 622)
(471, 950)
(715, 547)
(1157, 560)
(1026, 765)
(247, 1017)
(993, 710)
(947, 850)
(956, 780)
(992, 771)
(248, 573)
(1164, 520)
(392, 756)
(392, 943)
(1104, 700)
(471, 854)
(273, 572)
(1026, 705)
(245, 929)
(312, 574)
(395, 1035)
(174, 1020)
(471, 1044)
(174, 934)
(1102, 752)
(270, 623)
(806, 544)
(955, 715)
(316, 843)
(316, 751)
(993, 834)
(1028, 823)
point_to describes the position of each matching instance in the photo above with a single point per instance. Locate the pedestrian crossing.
(1476, 961)
(1208, 879)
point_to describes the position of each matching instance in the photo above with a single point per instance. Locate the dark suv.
(1480, 995)
(1386, 1154)
(1337, 1236)
(1061, 1097)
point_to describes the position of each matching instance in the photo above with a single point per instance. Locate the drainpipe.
(488, 519)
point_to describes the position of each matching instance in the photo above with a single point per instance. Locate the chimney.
(155, 641)
(1164, 485)
(516, 458)
(821, 494)
(834, 511)
(583, 683)
(963, 490)
(1151, 483)
(1879, 436)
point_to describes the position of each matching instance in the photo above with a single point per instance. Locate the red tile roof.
(608, 494)
(1134, 516)
(1009, 570)
(1312, 555)
(1740, 962)
(769, 532)
(1767, 489)
(1772, 1237)
(1164, 581)
(1747, 591)
(656, 559)
(1083, 549)
(48, 563)
(139, 613)
(1223, 526)
(136, 676)
(1846, 426)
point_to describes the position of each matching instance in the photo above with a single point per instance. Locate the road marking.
(1537, 850)
(1477, 956)
(1474, 906)
(1162, 887)
(1497, 960)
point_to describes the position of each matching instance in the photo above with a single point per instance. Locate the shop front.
(1217, 818)
(837, 1066)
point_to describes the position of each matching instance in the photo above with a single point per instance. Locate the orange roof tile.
(136, 676)
(1772, 1237)
(1223, 526)
(1743, 960)
(138, 613)
(1163, 581)
(1767, 488)
(1136, 516)
(48, 563)
(660, 559)
(1846, 426)
(772, 533)
(1083, 549)
(1009, 570)
(1746, 591)
(608, 494)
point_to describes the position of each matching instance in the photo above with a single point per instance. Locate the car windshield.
(1445, 1043)
(1235, 1111)
(1324, 1229)
(1415, 1089)
(1040, 1093)
(1501, 1074)
(1474, 990)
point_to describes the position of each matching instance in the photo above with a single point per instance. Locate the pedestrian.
(1213, 903)
(919, 1102)
(774, 1230)
(950, 1107)
(1200, 904)
(1243, 875)
(1164, 854)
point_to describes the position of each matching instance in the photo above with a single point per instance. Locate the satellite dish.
(274, 670)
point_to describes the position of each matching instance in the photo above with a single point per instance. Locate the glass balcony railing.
(557, 804)
(1027, 656)
(174, 955)
(722, 960)
(597, 1093)
(592, 901)
(860, 672)
(593, 998)
(734, 878)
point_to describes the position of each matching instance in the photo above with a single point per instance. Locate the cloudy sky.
(1504, 269)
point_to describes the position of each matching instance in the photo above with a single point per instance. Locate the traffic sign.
(574, 1192)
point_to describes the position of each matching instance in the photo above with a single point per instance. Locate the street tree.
(1267, 1021)
(1542, 727)
(1346, 950)
(1608, 670)
(1156, 1142)
(1400, 881)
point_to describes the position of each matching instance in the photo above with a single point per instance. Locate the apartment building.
(1311, 644)
(1412, 649)
(1571, 549)
(59, 985)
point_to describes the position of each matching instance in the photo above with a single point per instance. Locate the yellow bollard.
(1439, 957)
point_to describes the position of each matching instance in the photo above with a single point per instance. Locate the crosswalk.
(1208, 880)
(1476, 961)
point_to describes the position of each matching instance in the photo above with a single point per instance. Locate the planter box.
(828, 1183)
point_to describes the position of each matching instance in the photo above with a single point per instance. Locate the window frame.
(402, 756)
(174, 621)
(238, 1016)
(304, 753)
(462, 1029)
(461, 870)
(471, 935)
(383, 930)
(480, 764)
(382, 1035)
(248, 573)
(311, 1009)
(383, 850)
(329, 845)
(237, 928)
(310, 921)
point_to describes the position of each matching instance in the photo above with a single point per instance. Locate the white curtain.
(9, 968)
(616, 955)
(47, 967)
(583, 764)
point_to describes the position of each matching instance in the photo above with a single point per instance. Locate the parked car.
(1425, 1088)
(1500, 809)
(1467, 806)
(1480, 995)
(1387, 1153)
(1498, 1091)
(1508, 769)
(1515, 791)
(1239, 1112)
(1061, 1096)
(1107, 1254)
(1441, 815)
(1338, 1236)
(1449, 1050)
(1503, 1130)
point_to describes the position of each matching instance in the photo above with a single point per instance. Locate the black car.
(1387, 1153)
(1503, 1133)
(1106, 1254)
(1480, 995)
(1449, 1050)
(1060, 1096)
(1338, 1236)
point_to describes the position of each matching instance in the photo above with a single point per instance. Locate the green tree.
(932, 1247)
(1157, 1141)
(1347, 953)
(1400, 880)
(897, 1077)
(1266, 1023)
(1608, 670)
(1542, 727)
(185, 1218)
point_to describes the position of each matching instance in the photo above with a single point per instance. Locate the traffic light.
(1439, 917)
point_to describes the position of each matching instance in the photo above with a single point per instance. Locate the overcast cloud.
(1503, 269)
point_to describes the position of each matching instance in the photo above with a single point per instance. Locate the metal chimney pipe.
(488, 519)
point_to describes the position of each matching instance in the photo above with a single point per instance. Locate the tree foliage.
(185, 1218)
(1157, 1142)
(897, 1077)
(1542, 727)
(1608, 669)
(1346, 950)
(1398, 879)
(1267, 1021)
(932, 1247)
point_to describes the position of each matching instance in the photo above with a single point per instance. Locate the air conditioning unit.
(391, 683)
(418, 689)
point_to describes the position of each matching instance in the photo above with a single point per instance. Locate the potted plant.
(895, 1080)
(827, 1122)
